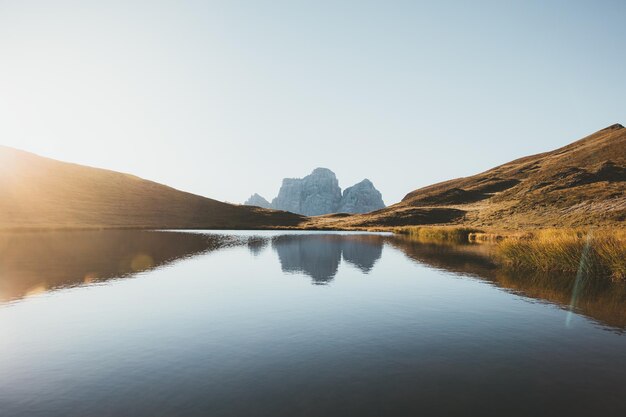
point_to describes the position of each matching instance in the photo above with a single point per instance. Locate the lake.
(272, 323)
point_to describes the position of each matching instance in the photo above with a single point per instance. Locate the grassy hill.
(580, 184)
(37, 192)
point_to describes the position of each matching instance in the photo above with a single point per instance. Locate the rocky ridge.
(257, 200)
(319, 193)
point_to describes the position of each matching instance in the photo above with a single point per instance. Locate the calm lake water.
(146, 323)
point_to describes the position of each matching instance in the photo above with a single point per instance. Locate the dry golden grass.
(595, 252)
(439, 234)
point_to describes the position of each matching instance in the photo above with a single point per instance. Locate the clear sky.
(225, 98)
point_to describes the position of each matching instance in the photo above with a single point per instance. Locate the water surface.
(156, 323)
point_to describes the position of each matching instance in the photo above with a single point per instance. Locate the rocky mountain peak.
(257, 200)
(319, 193)
(323, 172)
(361, 198)
(364, 183)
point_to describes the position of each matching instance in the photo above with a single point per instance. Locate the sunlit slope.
(37, 192)
(580, 184)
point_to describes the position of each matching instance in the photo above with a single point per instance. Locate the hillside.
(38, 192)
(580, 184)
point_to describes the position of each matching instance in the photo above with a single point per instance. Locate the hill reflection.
(598, 299)
(319, 256)
(32, 263)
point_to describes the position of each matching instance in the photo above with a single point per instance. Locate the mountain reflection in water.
(31, 263)
(318, 256)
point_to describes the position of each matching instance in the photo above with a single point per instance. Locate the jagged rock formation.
(257, 200)
(319, 193)
(290, 196)
(361, 198)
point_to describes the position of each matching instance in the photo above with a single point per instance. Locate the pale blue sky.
(226, 98)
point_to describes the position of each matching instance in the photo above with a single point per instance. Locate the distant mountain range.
(319, 193)
(581, 184)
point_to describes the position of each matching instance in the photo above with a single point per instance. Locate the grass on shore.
(599, 252)
(438, 234)
(592, 252)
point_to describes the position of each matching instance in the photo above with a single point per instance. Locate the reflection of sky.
(228, 325)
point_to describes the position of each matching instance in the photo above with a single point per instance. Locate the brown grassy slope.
(37, 192)
(581, 184)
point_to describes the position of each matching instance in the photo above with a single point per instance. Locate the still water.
(157, 323)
